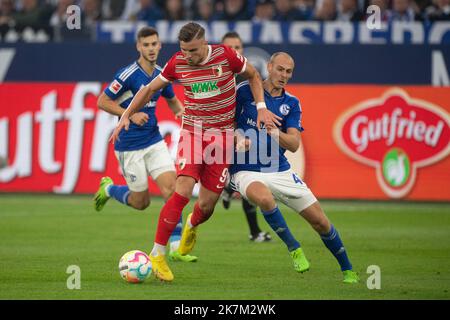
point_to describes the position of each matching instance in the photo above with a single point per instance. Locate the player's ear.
(138, 46)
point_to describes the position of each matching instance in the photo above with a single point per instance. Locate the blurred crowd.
(53, 13)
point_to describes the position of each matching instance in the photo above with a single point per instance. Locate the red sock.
(198, 217)
(169, 217)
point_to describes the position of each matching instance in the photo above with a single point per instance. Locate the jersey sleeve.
(168, 72)
(168, 92)
(116, 88)
(242, 96)
(238, 62)
(294, 118)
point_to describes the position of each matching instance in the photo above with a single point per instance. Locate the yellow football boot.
(188, 238)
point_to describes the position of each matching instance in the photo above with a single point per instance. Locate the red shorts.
(205, 157)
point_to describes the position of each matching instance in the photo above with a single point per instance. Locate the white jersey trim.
(244, 67)
(124, 75)
(207, 58)
(243, 83)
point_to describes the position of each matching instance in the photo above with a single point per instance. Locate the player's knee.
(184, 186)
(321, 226)
(168, 190)
(266, 202)
(142, 204)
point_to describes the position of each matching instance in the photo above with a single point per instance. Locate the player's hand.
(179, 113)
(124, 123)
(243, 144)
(139, 118)
(269, 119)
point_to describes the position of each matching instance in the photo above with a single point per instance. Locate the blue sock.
(276, 221)
(334, 243)
(120, 193)
(176, 233)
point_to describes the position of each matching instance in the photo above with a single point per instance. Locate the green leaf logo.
(396, 167)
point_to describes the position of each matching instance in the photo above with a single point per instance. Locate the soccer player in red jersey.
(207, 73)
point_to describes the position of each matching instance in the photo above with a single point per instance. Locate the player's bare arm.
(109, 105)
(176, 106)
(241, 143)
(140, 99)
(269, 119)
(289, 140)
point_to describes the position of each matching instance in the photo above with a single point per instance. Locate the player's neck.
(270, 88)
(148, 67)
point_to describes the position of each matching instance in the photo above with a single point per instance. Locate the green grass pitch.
(40, 236)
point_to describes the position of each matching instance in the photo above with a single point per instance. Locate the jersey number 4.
(296, 178)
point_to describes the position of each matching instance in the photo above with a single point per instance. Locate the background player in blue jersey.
(265, 179)
(141, 150)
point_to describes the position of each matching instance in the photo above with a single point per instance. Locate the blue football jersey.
(265, 154)
(122, 89)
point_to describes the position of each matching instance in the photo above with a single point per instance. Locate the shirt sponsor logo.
(207, 89)
(396, 134)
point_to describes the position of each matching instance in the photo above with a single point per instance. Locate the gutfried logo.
(396, 134)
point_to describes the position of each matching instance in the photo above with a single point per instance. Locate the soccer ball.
(135, 266)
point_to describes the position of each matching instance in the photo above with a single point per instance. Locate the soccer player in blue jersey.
(263, 175)
(233, 40)
(141, 150)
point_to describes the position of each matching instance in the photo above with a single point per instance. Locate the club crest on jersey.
(284, 109)
(217, 70)
(182, 163)
(115, 87)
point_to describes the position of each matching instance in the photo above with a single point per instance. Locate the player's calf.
(204, 207)
(166, 183)
(317, 218)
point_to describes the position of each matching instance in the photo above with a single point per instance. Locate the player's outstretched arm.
(256, 86)
(140, 99)
(176, 106)
(109, 105)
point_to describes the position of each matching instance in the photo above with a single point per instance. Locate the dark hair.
(146, 32)
(231, 34)
(191, 31)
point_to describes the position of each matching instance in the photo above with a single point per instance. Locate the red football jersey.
(209, 88)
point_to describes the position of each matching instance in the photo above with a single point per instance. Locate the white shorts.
(137, 165)
(285, 186)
